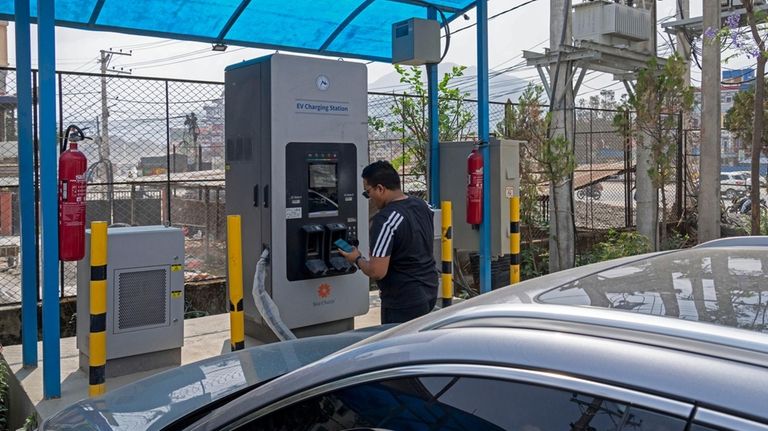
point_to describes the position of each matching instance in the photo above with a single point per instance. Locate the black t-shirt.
(403, 230)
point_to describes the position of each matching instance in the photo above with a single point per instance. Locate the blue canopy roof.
(348, 28)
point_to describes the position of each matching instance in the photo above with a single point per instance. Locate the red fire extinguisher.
(475, 187)
(72, 182)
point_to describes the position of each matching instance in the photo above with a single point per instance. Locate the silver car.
(667, 341)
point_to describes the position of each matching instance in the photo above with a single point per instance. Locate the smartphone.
(343, 245)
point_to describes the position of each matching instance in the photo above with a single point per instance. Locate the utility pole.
(683, 43)
(709, 170)
(683, 48)
(105, 173)
(104, 59)
(562, 252)
(647, 196)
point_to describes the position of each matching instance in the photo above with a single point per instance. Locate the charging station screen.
(323, 190)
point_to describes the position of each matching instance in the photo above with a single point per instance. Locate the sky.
(526, 28)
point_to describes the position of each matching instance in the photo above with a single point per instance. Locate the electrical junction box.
(611, 24)
(416, 42)
(145, 299)
(296, 137)
(505, 183)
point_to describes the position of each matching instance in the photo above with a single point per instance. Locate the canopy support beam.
(358, 10)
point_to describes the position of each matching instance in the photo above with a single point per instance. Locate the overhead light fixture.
(219, 47)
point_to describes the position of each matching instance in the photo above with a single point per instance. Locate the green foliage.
(616, 245)
(542, 159)
(520, 121)
(677, 241)
(661, 93)
(763, 222)
(739, 120)
(412, 116)
(534, 262)
(30, 423)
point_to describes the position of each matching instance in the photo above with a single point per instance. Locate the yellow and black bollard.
(447, 254)
(97, 340)
(514, 239)
(235, 281)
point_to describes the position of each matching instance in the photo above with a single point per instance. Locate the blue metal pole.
(26, 186)
(434, 128)
(46, 48)
(483, 125)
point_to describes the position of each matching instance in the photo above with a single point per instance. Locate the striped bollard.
(514, 239)
(446, 255)
(97, 339)
(235, 282)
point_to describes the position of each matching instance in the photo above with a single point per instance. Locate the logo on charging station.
(322, 82)
(324, 290)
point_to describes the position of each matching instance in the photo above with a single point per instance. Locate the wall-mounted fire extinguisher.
(475, 187)
(72, 182)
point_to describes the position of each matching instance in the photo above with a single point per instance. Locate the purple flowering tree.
(749, 42)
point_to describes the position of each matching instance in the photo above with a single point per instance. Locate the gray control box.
(415, 42)
(145, 299)
(505, 182)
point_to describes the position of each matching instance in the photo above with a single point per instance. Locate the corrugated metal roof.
(348, 28)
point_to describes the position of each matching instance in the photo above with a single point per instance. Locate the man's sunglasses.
(365, 193)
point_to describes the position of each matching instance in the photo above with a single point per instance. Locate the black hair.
(382, 172)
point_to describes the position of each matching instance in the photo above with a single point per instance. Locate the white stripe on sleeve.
(381, 232)
(388, 231)
(391, 235)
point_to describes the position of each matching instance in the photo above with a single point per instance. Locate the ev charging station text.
(316, 107)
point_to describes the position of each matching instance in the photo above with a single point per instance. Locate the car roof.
(631, 357)
(724, 282)
(720, 366)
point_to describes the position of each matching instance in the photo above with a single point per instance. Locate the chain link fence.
(157, 157)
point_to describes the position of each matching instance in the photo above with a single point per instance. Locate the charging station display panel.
(323, 188)
(321, 207)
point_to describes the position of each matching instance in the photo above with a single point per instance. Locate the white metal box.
(415, 42)
(610, 23)
(145, 298)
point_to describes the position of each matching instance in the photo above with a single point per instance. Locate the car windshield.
(723, 286)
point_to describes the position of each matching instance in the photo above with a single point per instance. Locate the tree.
(549, 157)
(410, 116)
(740, 118)
(753, 47)
(660, 95)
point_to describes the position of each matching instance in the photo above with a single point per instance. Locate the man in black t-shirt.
(401, 256)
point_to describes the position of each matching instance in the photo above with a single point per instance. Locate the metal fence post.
(679, 196)
(168, 156)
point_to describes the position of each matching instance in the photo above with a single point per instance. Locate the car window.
(728, 287)
(461, 403)
(723, 177)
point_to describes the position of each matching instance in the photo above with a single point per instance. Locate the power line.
(496, 16)
(151, 66)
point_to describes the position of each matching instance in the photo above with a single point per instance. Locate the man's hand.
(351, 256)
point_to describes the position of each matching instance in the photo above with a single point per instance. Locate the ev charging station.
(296, 142)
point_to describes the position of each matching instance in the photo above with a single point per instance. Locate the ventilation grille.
(142, 299)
